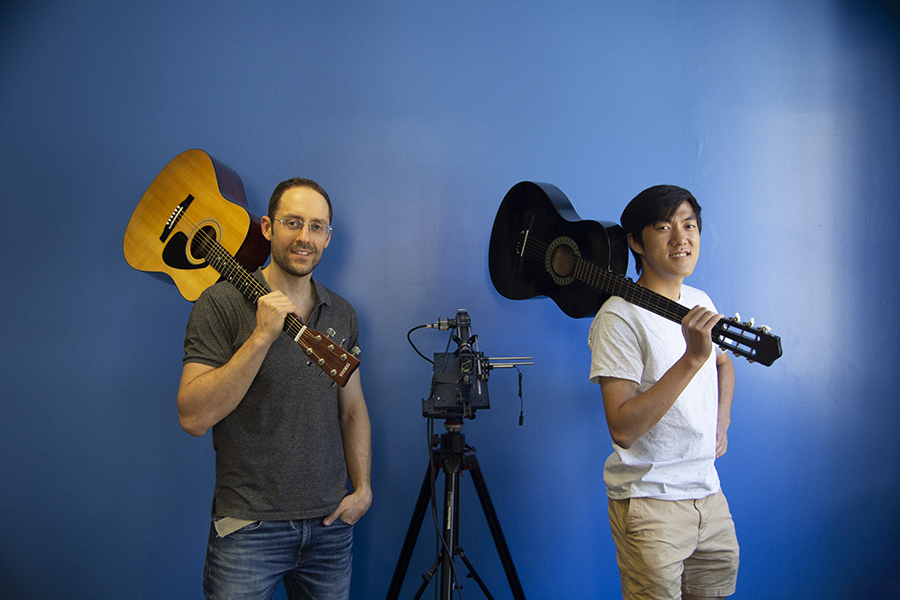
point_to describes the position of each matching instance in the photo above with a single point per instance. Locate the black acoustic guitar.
(541, 247)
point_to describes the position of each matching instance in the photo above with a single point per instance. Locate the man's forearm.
(356, 434)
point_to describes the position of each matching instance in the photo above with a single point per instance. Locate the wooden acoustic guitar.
(540, 247)
(192, 225)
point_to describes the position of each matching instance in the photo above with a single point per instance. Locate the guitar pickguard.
(175, 254)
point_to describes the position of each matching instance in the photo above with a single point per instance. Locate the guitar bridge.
(175, 217)
(523, 241)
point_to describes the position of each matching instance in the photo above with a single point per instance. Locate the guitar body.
(544, 211)
(193, 195)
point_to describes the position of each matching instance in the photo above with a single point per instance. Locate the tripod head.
(459, 383)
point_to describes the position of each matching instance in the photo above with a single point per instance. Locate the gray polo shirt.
(279, 454)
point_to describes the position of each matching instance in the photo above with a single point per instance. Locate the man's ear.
(634, 245)
(265, 223)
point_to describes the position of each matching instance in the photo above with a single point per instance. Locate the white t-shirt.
(675, 459)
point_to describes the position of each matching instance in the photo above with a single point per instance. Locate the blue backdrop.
(417, 117)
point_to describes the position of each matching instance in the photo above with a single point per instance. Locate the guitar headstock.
(755, 344)
(335, 362)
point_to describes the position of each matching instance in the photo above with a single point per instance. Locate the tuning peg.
(765, 328)
(737, 317)
(752, 320)
(330, 332)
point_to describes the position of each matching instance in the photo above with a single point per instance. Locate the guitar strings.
(591, 274)
(234, 272)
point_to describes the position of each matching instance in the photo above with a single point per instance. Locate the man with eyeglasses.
(286, 439)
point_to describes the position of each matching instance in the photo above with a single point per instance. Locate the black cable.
(409, 339)
(521, 400)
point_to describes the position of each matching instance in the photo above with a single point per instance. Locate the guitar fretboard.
(610, 283)
(615, 285)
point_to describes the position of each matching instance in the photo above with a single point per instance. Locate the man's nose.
(679, 236)
(305, 232)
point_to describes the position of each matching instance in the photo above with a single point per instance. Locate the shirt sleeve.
(615, 348)
(210, 335)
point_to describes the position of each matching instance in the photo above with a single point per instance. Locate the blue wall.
(417, 117)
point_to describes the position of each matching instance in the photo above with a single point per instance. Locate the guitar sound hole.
(562, 260)
(202, 242)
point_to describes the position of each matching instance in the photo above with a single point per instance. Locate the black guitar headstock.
(755, 344)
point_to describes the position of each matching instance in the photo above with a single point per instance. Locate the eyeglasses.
(315, 229)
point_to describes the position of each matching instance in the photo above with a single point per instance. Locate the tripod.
(454, 456)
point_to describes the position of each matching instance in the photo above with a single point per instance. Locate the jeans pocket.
(226, 526)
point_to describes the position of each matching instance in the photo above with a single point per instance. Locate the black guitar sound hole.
(562, 254)
(562, 261)
(202, 241)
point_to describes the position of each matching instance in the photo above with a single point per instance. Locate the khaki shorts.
(668, 547)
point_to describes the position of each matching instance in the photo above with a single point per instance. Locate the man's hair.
(653, 205)
(287, 184)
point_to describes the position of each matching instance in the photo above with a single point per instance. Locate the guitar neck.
(616, 285)
(229, 268)
(743, 340)
(234, 272)
(335, 362)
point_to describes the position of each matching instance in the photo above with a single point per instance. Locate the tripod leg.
(450, 531)
(427, 576)
(494, 524)
(409, 543)
(474, 574)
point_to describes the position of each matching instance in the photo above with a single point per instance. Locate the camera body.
(459, 384)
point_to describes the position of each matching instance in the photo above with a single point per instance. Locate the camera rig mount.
(459, 384)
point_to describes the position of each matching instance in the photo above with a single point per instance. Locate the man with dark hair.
(667, 395)
(286, 439)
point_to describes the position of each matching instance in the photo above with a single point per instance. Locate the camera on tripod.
(459, 385)
(458, 389)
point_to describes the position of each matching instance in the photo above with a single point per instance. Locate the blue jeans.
(314, 561)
